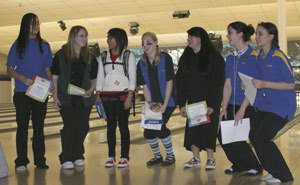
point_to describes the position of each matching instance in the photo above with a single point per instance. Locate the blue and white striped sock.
(168, 145)
(155, 147)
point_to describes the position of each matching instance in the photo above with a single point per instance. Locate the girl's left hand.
(163, 108)
(127, 103)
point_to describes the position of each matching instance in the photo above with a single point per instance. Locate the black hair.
(22, 40)
(207, 49)
(272, 30)
(241, 27)
(121, 38)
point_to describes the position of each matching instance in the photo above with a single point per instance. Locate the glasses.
(146, 43)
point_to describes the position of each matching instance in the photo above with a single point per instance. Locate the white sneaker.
(67, 165)
(266, 177)
(79, 162)
(21, 169)
(273, 180)
(110, 162)
(123, 163)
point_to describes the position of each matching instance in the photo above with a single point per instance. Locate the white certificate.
(250, 91)
(39, 90)
(152, 124)
(196, 110)
(233, 133)
(74, 90)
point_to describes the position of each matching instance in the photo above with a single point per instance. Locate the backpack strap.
(125, 61)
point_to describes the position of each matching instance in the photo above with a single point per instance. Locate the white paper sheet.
(39, 89)
(250, 91)
(74, 90)
(232, 133)
(150, 114)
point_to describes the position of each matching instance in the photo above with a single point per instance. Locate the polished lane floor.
(94, 173)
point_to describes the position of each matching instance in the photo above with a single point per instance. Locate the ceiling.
(98, 16)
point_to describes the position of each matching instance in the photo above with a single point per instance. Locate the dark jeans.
(75, 129)
(117, 115)
(240, 153)
(264, 127)
(164, 132)
(26, 107)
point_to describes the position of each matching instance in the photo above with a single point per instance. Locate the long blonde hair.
(70, 46)
(157, 55)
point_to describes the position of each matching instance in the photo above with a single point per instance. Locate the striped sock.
(155, 147)
(168, 145)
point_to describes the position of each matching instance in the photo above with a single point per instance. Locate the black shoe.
(42, 166)
(253, 172)
(154, 161)
(230, 171)
(168, 161)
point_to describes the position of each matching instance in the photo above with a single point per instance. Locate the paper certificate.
(74, 90)
(196, 110)
(39, 90)
(233, 133)
(152, 124)
(197, 114)
(250, 91)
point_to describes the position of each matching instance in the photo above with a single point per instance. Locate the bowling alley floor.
(94, 172)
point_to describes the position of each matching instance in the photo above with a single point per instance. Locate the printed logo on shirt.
(117, 83)
(269, 65)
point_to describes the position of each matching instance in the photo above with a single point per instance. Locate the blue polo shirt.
(275, 67)
(247, 64)
(32, 64)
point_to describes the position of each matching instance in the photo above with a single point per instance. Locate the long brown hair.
(157, 55)
(70, 46)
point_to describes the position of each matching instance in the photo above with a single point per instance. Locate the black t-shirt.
(77, 75)
(77, 70)
(156, 95)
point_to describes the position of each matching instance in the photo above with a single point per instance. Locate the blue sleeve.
(285, 70)
(228, 66)
(12, 58)
(48, 56)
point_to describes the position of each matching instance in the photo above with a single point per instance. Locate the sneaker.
(273, 180)
(110, 162)
(168, 161)
(123, 163)
(154, 160)
(252, 172)
(67, 165)
(210, 164)
(191, 163)
(266, 177)
(21, 168)
(79, 162)
(229, 171)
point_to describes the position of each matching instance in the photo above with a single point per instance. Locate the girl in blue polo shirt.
(28, 57)
(275, 100)
(234, 104)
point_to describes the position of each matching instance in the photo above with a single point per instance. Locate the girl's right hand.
(223, 113)
(183, 112)
(56, 104)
